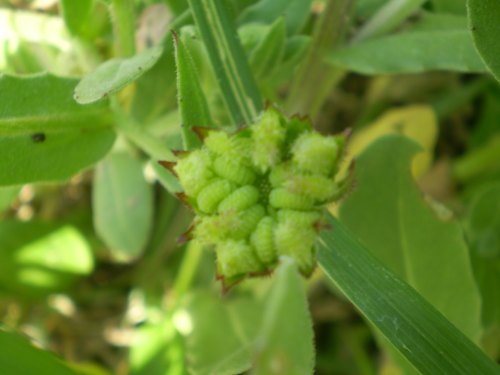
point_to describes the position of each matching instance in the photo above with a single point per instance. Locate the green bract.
(258, 193)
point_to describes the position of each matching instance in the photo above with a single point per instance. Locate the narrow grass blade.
(228, 59)
(419, 332)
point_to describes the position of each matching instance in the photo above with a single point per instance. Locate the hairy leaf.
(44, 134)
(115, 74)
(485, 28)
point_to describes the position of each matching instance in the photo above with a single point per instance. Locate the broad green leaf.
(387, 212)
(411, 52)
(483, 232)
(223, 332)
(419, 332)
(285, 344)
(485, 28)
(122, 203)
(19, 357)
(76, 13)
(44, 134)
(115, 74)
(295, 12)
(268, 53)
(38, 258)
(388, 17)
(228, 60)
(157, 349)
(191, 99)
(417, 122)
(7, 195)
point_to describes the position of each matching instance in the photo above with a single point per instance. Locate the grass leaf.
(228, 60)
(425, 337)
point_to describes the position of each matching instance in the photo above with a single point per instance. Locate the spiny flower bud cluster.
(258, 193)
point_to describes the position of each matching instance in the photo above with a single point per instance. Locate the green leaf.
(285, 345)
(157, 349)
(295, 12)
(388, 17)
(269, 52)
(115, 74)
(483, 232)
(485, 27)
(228, 60)
(19, 357)
(44, 134)
(76, 13)
(122, 203)
(223, 334)
(411, 52)
(39, 258)
(449, 6)
(387, 213)
(7, 195)
(420, 333)
(191, 99)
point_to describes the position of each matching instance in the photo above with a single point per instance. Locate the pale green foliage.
(259, 193)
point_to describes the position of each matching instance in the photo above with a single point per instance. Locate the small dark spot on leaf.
(38, 137)
(473, 28)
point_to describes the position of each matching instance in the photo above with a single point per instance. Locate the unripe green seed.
(297, 242)
(247, 221)
(262, 239)
(319, 187)
(280, 174)
(194, 171)
(229, 169)
(269, 137)
(315, 153)
(302, 218)
(240, 199)
(282, 198)
(236, 258)
(210, 197)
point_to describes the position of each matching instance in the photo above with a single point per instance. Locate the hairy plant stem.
(123, 17)
(316, 78)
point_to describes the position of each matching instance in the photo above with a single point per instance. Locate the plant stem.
(123, 17)
(188, 269)
(483, 160)
(316, 78)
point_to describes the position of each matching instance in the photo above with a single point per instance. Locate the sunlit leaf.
(44, 134)
(123, 205)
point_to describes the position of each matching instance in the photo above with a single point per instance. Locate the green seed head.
(258, 193)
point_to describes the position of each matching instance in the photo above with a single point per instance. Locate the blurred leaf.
(412, 51)
(450, 6)
(485, 27)
(419, 332)
(285, 344)
(223, 334)
(482, 161)
(19, 357)
(37, 258)
(115, 74)
(417, 122)
(228, 60)
(483, 230)
(7, 195)
(76, 13)
(122, 203)
(44, 134)
(157, 349)
(388, 17)
(267, 55)
(295, 12)
(387, 213)
(191, 99)
(488, 122)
